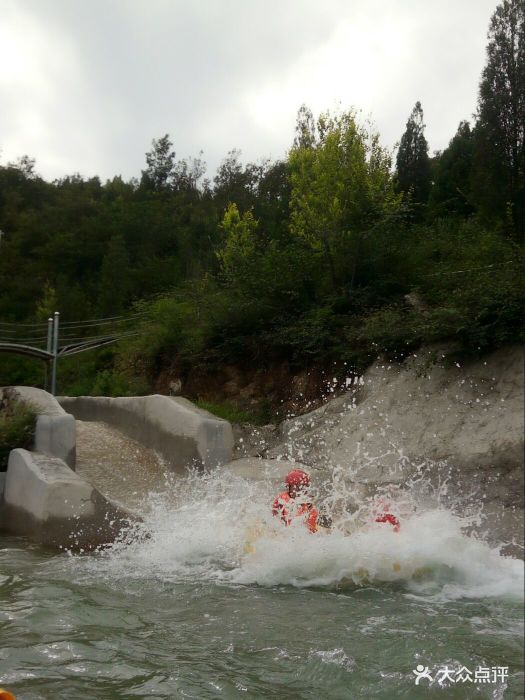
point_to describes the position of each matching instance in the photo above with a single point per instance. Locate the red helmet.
(297, 477)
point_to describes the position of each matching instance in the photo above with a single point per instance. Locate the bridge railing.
(51, 340)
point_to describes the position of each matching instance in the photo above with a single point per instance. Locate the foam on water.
(219, 527)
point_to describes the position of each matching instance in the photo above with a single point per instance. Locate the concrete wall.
(182, 433)
(46, 501)
(55, 433)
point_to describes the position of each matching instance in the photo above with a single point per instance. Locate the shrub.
(17, 429)
(235, 414)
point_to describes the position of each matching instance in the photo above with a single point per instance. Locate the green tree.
(26, 165)
(451, 192)
(161, 164)
(341, 189)
(500, 149)
(272, 204)
(239, 248)
(235, 183)
(114, 285)
(412, 162)
(187, 173)
(305, 129)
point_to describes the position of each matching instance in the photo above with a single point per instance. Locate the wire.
(24, 340)
(76, 324)
(24, 325)
(81, 326)
(73, 348)
(89, 338)
(471, 269)
(111, 329)
(103, 321)
(99, 338)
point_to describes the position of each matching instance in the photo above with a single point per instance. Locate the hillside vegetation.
(330, 255)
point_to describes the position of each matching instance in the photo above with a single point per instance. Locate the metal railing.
(52, 340)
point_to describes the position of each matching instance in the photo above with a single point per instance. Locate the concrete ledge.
(179, 431)
(55, 433)
(48, 502)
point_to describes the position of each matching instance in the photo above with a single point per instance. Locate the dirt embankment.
(278, 390)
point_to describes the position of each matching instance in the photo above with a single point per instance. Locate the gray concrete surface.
(121, 468)
(55, 429)
(46, 501)
(256, 469)
(182, 433)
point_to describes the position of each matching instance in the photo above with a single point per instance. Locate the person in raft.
(294, 502)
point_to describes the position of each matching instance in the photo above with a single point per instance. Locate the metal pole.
(49, 334)
(55, 353)
(49, 348)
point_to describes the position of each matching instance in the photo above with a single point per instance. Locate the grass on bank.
(261, 415)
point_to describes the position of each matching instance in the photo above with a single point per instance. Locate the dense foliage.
(329, 254)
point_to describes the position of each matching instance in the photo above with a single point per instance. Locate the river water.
(210, 598)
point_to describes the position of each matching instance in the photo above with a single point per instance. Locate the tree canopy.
(500, 129)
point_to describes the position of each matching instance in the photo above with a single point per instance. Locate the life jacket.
(287, 508)
(389, 518)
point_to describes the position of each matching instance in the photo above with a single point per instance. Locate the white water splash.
(219, 527)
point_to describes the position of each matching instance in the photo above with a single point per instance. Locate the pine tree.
(413, 163)
(500, 150)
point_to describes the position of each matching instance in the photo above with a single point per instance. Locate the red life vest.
(286, 508)
(389, 518)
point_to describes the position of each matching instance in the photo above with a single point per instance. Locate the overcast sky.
(85, 85)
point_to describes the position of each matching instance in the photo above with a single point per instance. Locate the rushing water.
(209, 597)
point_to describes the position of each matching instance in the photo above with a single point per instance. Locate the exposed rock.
(472, 415)
(277, 385)
(175, 386)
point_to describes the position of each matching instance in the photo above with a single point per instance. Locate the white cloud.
(86, 86)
